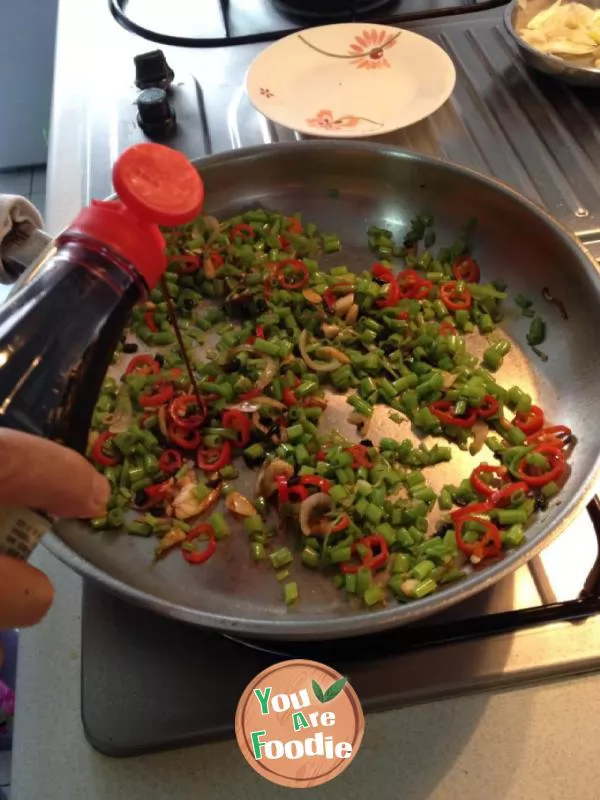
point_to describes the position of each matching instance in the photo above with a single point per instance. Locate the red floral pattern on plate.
(366, 52)
(370, 47)
(267, 93)
(327, 121)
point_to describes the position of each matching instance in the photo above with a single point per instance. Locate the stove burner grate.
(236, 22)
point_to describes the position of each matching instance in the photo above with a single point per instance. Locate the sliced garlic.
(344, 304)
(352, 314)
(329, 353)
(564, 30)
(330, 331)
(312, 296)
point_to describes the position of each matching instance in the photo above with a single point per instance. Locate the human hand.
(37, 473)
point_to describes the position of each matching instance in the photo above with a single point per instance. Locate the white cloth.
(17, 217)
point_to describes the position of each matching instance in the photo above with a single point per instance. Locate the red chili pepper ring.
(530, 423)
(142, 365)
(292, 274)
(479, 483)
(441, 410)
(466, 269)
(188, 411)
(241, 423)
(156, 395)
(557, 466)
(170, 461)
(488, 546)
(454, 298)
(212, 459)
(200, 556)
(372, 560)
(98, 453)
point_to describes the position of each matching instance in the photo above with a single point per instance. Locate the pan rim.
(392, 616)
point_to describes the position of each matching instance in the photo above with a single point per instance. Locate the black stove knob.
(155, 116)
(151, 69)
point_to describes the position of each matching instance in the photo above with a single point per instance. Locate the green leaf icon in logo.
(331, 693)
(318, 692)
(335, 688)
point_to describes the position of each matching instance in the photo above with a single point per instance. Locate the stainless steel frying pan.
(345, 188)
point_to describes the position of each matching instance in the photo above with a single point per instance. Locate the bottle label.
(20, 531)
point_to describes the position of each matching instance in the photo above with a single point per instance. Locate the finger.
(25, 594)
(37, 473)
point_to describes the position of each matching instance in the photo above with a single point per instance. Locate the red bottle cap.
(156, 186)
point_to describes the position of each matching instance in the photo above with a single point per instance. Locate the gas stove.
(141, 672)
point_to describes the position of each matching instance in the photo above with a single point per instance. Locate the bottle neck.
(69, 245)
(57, 337)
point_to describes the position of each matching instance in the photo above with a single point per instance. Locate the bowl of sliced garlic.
(558, 37)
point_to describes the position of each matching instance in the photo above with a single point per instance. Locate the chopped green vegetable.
(290, 593)
(537, 331)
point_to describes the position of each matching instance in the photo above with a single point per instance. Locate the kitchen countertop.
(532, 742)
(526, 743)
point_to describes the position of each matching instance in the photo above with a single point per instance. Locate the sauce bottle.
(58, 332)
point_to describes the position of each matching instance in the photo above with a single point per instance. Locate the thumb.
(25, 594)
(41, 474)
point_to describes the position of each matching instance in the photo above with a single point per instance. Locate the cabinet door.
(27, 35)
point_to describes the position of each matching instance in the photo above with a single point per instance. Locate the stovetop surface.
(140, 672)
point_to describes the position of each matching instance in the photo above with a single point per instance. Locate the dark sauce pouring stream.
(175, 324)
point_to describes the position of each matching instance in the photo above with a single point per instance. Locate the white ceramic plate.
(350, 80)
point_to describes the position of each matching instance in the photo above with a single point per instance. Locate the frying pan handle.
(20, 251)
(591, 587)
